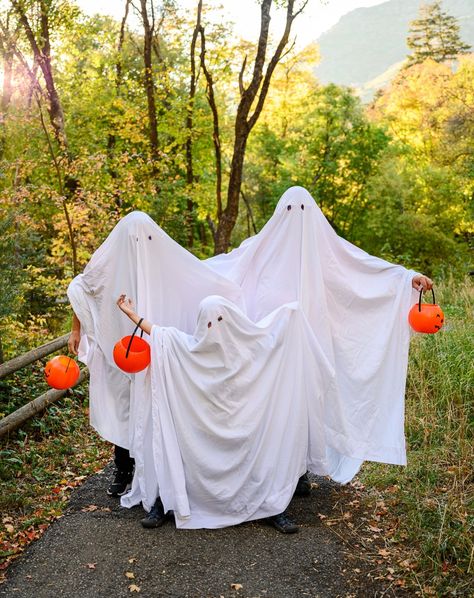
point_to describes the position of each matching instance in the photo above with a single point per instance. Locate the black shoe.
(303, 487)
(283, 524)
(157, 516)
(121, 484)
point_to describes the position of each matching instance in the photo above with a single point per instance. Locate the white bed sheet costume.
(303, 365)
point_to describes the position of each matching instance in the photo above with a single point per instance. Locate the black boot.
(121, 484)
(157, 516)
(303, 487)
(283, 523)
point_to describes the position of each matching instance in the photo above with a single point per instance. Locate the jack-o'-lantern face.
(61, 372)
(427, 318)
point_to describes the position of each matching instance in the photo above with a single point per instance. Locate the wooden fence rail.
(17, 418)
(9, 367)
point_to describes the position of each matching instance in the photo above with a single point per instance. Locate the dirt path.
(98, 549)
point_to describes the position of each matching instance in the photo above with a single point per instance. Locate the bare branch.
(249, 211)
(290, 17)
(215, 118)
(241, 77)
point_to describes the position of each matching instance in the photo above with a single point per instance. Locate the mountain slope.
(367, 42)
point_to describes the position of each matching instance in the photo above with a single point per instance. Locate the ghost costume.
(230, 412)
(356, 306)
(306, 369)
(167, 284)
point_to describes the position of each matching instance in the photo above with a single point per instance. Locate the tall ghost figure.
(356, 306)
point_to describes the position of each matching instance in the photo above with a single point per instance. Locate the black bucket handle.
(131, 338)
(421, 295)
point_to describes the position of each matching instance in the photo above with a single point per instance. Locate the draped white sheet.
(230, 413)
(166, 283)
(346, 340)
(357, 307)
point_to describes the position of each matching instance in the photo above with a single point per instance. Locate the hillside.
(364, 47)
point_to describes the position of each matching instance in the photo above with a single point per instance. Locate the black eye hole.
(219, 319)
(288, 208)
(137, 238)
(302, 206)
(149, 237)
(209, 324)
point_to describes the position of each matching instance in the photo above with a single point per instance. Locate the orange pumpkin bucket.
(132, 354)
(426, 317)
(61, 372)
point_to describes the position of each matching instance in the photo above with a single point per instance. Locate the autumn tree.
(251, 101)
(434, 34)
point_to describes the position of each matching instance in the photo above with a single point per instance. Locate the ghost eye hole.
(219, 319)
(302, 206)
(209, 324)
(288, 208)
(149, 237)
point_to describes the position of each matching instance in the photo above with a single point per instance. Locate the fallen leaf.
(236, 586)
(321, 516)
(132, 560)
(374, 529)
(384, 552)
(91, 565)
(133, 588)
(9, 527)
(129, 575)
(89, 509)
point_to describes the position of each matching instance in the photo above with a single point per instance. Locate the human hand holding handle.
(420, 281)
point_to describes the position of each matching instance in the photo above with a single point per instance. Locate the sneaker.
(303, 487)
(157, 516)
(122, 483)
(283, 523)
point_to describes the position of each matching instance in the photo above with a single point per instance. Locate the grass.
(432, 499)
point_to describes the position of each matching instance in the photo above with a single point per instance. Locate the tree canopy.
(80, 147)
(434, 34)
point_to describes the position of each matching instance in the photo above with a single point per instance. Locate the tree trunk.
(111, 140)
(148, 30)
(254, 95)
(6, 96)
(41, 49)
(42, 52)
(190, 126)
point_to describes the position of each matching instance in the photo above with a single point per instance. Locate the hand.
(126, 305)
(73, 341)
(420, 281)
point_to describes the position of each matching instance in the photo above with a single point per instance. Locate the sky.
(318, 16)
